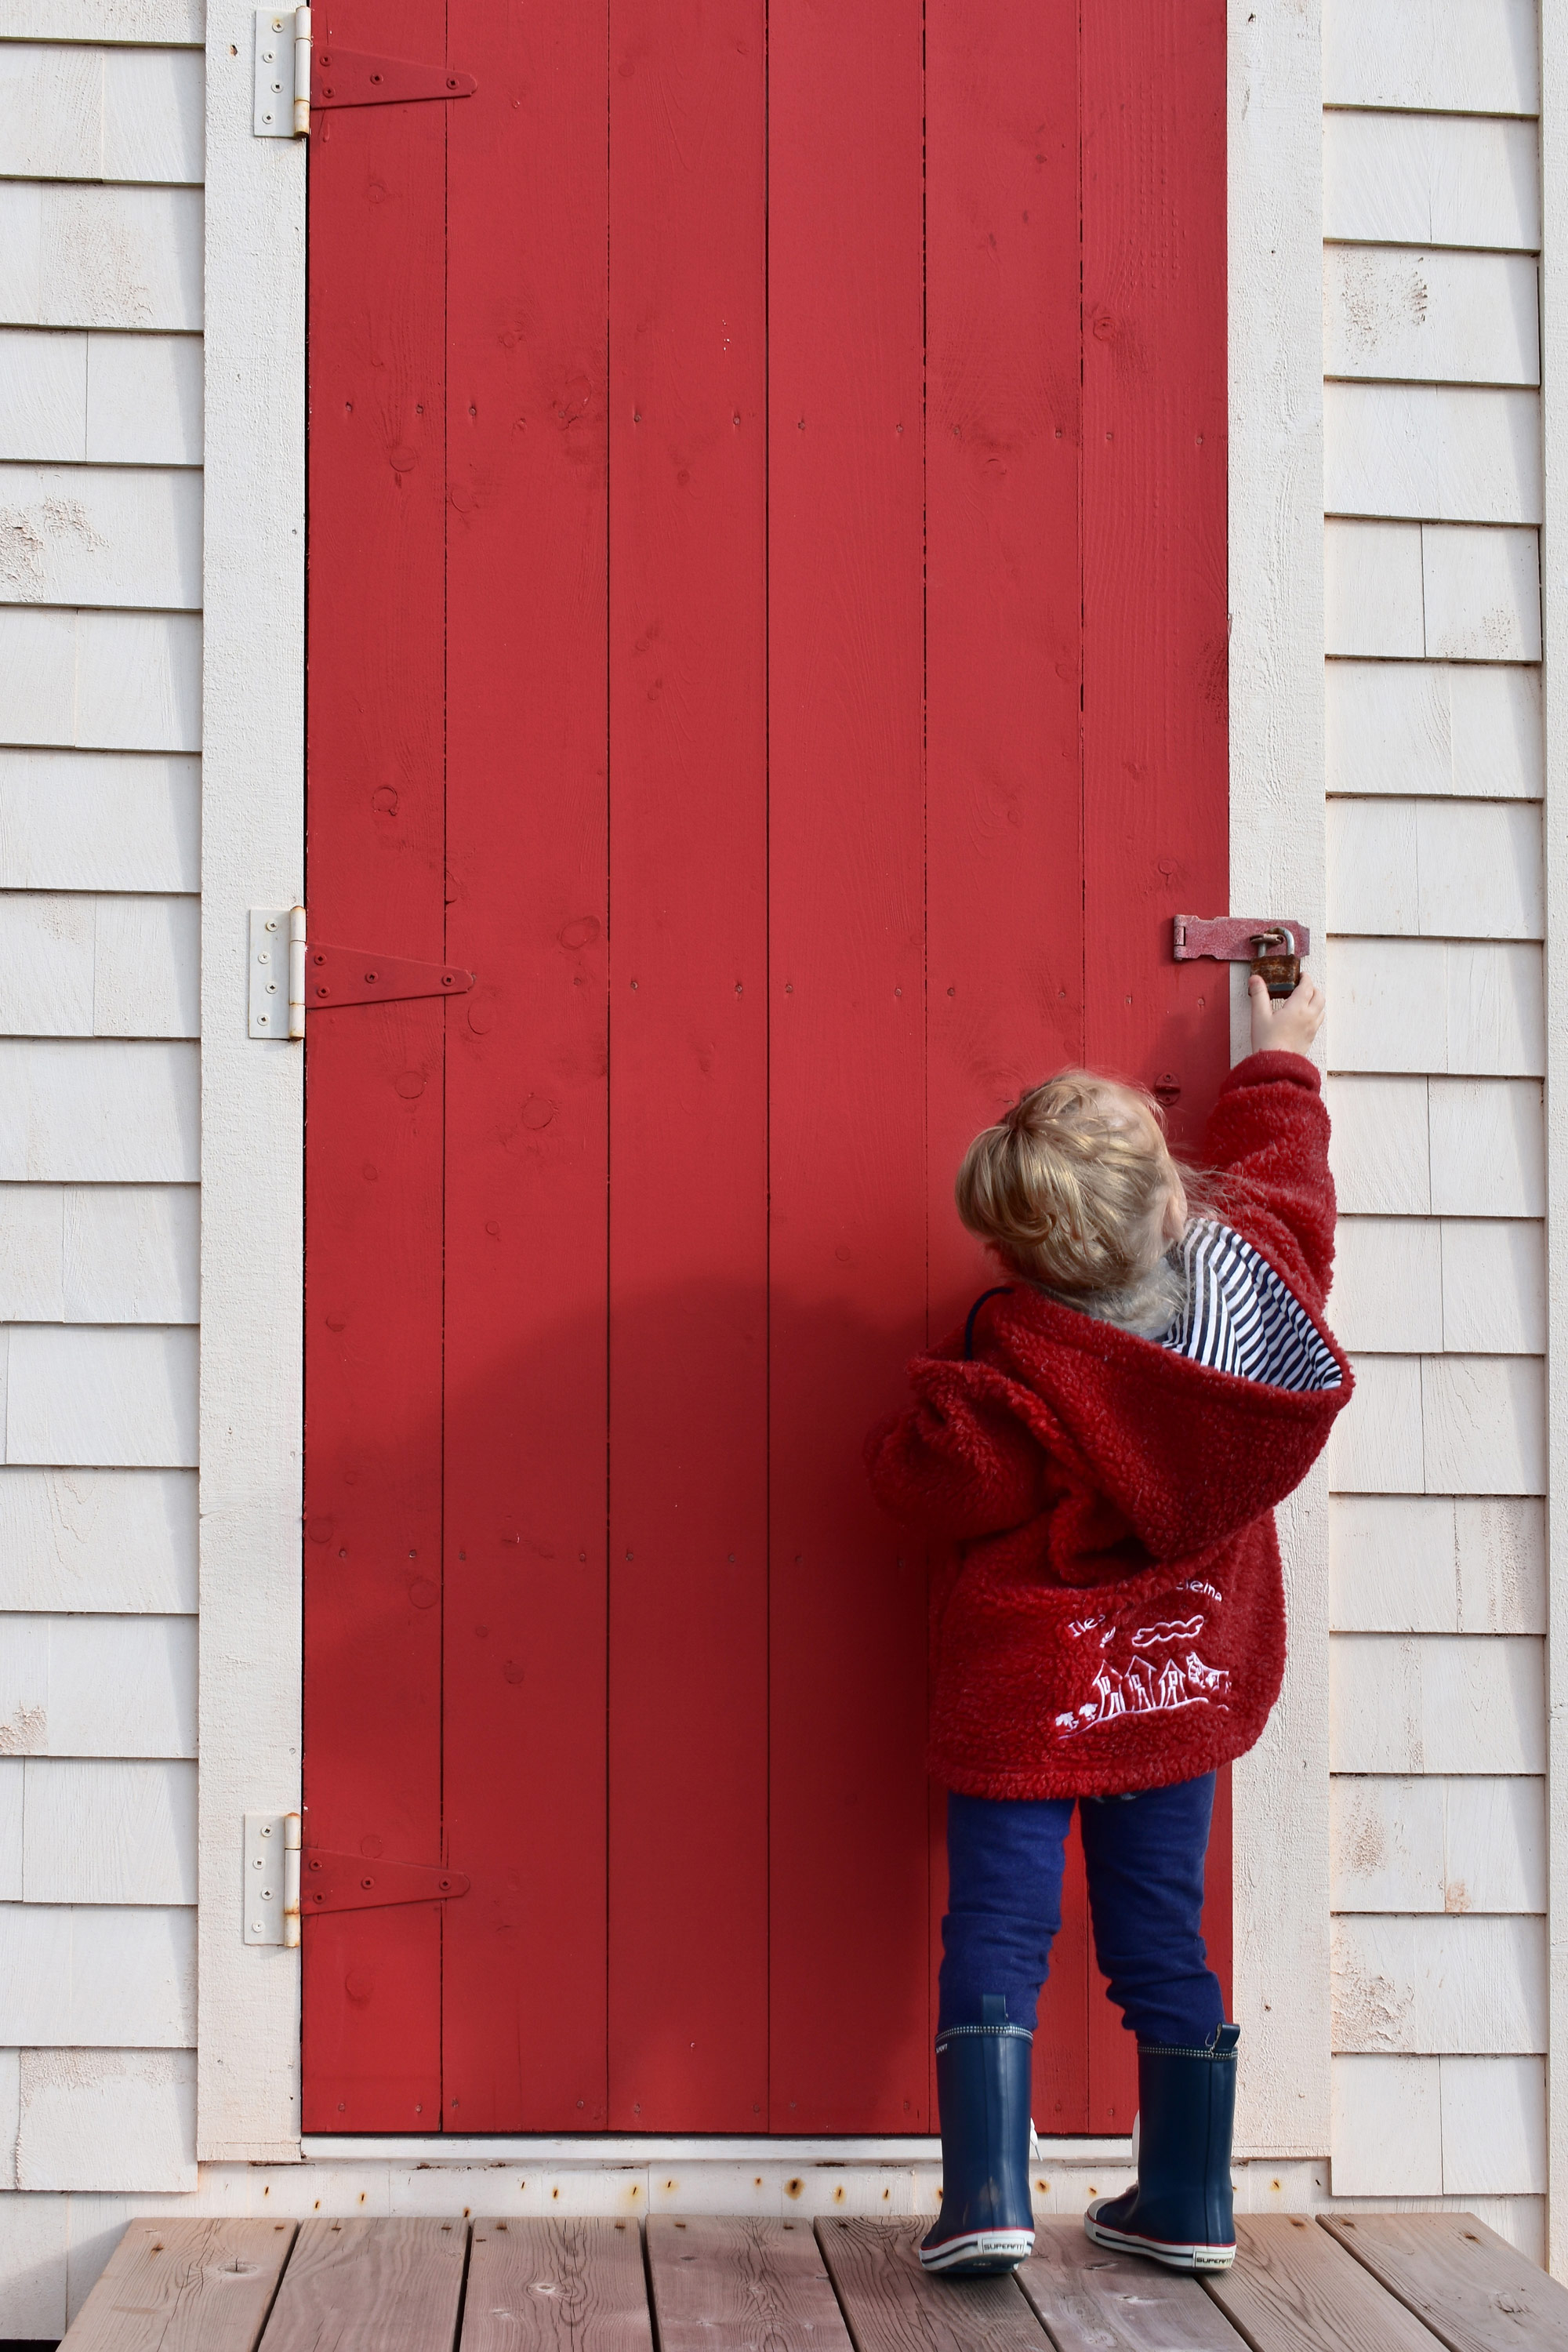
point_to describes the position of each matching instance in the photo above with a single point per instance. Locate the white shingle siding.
(100, 592)
(1433, 498)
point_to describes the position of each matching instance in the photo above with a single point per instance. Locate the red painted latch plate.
(354, 77)
(339, 976)
(347, 1882)
(1239, 938)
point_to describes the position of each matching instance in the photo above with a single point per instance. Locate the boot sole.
(1175, 2256)
(980, 2251)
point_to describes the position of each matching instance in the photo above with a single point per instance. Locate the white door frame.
(253, 1094)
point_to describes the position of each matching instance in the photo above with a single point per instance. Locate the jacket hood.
(1142, 1443)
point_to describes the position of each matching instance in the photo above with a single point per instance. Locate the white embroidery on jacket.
(1141, 1687)
(1170, 1630)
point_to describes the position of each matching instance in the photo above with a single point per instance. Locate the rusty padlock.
(1273, 945)
(1277, 962)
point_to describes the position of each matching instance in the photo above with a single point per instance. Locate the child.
(1106, 1439)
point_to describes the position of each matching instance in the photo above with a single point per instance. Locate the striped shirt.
(1240, 1317)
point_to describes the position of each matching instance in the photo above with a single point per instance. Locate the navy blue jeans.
(1143, 1857)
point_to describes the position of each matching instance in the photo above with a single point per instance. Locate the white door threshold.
(591, 2148)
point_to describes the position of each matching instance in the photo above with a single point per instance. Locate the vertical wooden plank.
(891, 2303)
(1472, 2289)
(556, 2286)
(361, 2285)
(725, 2285)
(527, 1113)
(1155, 626)
(1002, 598)
(1112, 2056)
(1112, 2051)
(374, 1073)
(185, 2286)
(687, 1748)
(1063, 2034)
(1094, 2301)
(850, 2019)
(1156, 803)
(1220, 1906)
(1293, 2291)
(1003, 632)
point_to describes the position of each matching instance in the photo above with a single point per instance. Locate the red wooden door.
(767, 620)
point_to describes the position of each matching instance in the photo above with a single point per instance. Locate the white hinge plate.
(282, 105)
(272, 1887)
(276, 961)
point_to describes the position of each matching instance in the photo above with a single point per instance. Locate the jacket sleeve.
(959, 1464)
(1268, 1141)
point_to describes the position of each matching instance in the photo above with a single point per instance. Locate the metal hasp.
(1273, 945)
(354, 77)
(348, 1882)
(1233, 939)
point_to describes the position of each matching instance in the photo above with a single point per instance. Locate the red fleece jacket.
(1118, 1617)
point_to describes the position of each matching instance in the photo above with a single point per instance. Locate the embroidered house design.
(1144, 1686)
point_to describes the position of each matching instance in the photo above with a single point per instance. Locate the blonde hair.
(1067, 1190)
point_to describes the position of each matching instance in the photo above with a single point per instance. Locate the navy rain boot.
(986, 2222)
(1180, 2213)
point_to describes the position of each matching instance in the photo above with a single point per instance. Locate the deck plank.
(556, 2286)
(893, 2305)
(722, 2284)
(1474, 2291)
(1092, 2300)
(371, 2286)
(185, 2286)
(1293, 2290)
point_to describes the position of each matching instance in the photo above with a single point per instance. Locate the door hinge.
(285, 1878)
(349, 1882)
(282, 107)
(291, 975)
(354, 78)
(271, 1889)
(292, 76)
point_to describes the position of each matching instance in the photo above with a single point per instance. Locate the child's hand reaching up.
(1284, 1025)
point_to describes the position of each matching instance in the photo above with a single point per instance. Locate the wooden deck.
(1385, 2282)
